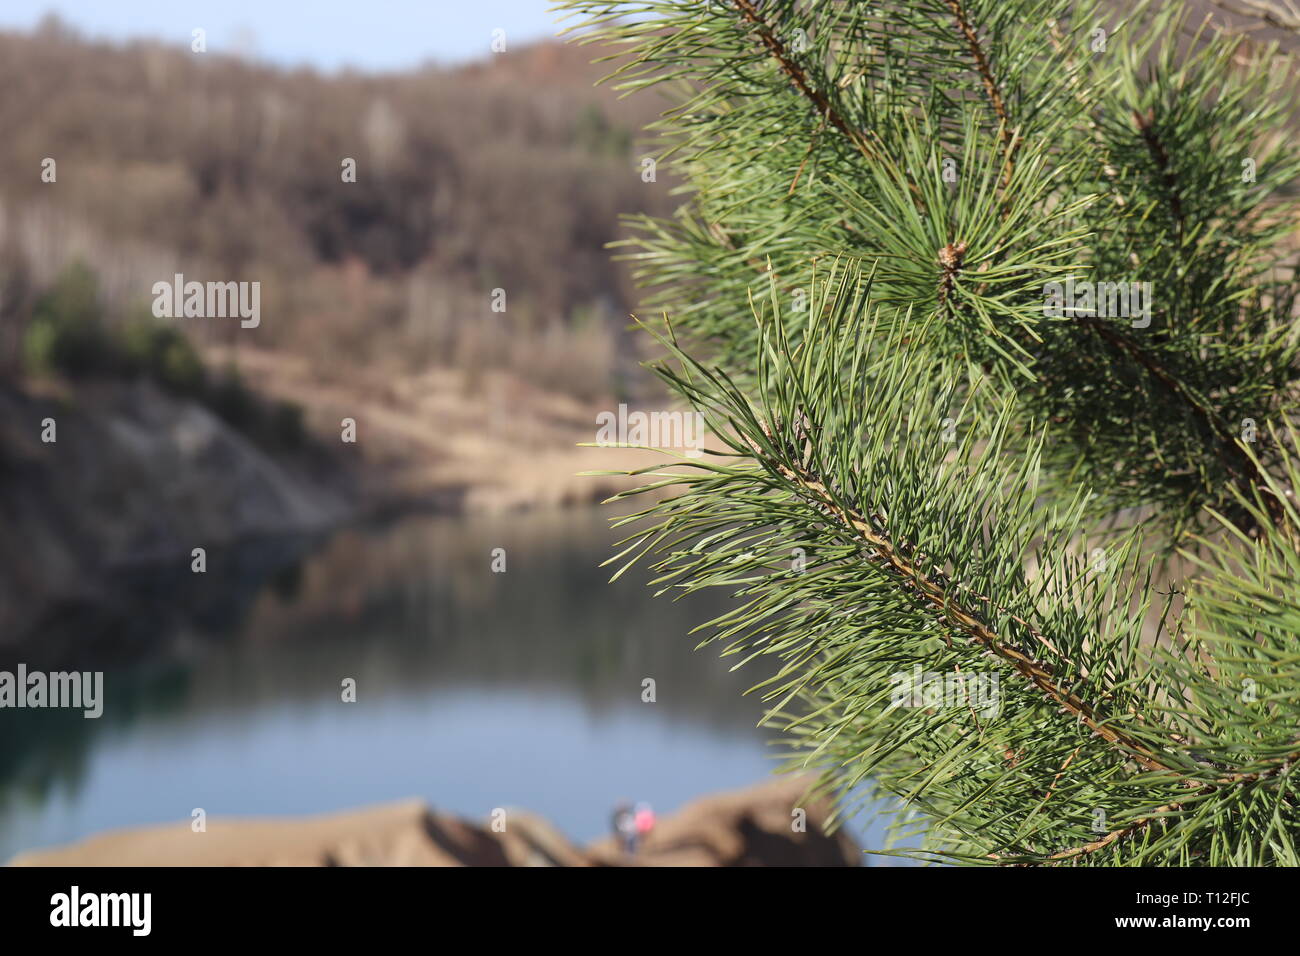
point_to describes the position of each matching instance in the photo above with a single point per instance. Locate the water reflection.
(475, 690)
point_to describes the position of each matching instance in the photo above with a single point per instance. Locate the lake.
(475, 689)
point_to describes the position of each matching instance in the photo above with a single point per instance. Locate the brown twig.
(1242, 468)
(1057, 779)
(808, 152)
(1236, 779)
(991, 88)
(799, 77)
(950, 260)
(1146, 126)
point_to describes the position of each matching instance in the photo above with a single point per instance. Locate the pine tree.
(893, 288)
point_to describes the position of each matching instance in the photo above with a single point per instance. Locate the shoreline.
(766, 824)
(166, 476)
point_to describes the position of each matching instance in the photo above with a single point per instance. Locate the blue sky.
(327, 34)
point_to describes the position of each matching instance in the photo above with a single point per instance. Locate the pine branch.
(932, 588)
(974, 306)
(1238, 464)
(801, 471)
(971, 556)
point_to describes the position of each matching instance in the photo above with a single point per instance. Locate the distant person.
(625, 830)
(644, 821)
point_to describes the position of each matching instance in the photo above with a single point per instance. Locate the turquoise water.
(475, 689)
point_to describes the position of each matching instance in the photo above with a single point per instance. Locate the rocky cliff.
(134, 477)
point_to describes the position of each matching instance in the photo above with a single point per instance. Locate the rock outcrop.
(751, 827)
(135, 477)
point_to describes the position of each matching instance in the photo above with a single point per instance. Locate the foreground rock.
(751, 827)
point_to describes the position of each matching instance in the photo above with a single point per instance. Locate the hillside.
(509, 174)
(375, 299)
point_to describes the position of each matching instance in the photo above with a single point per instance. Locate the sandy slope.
(437, 438)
